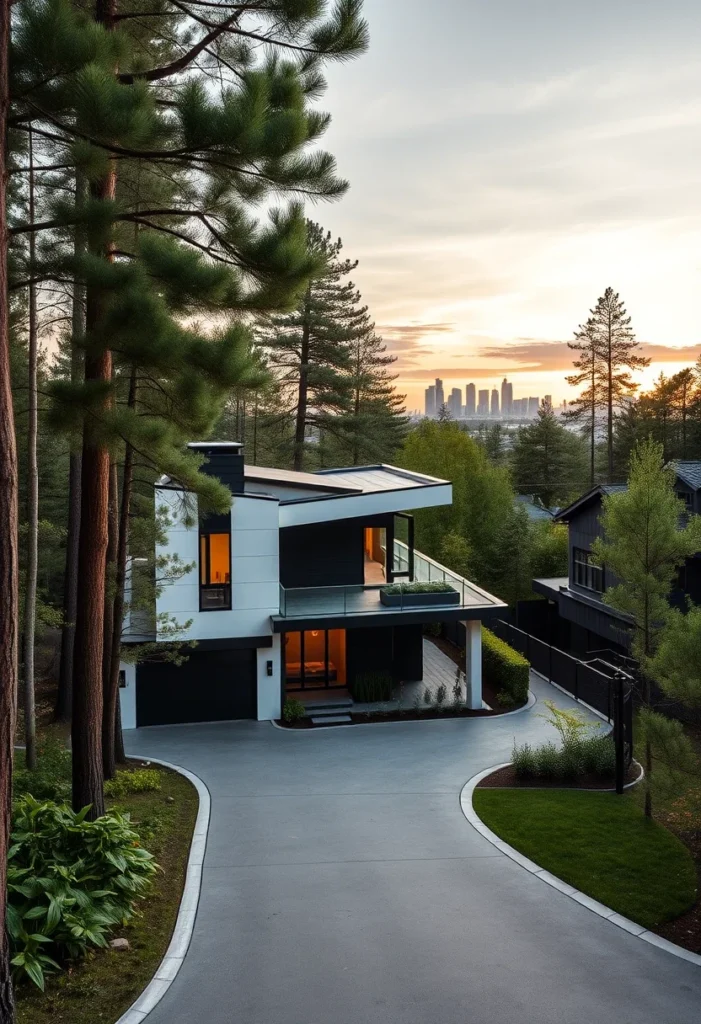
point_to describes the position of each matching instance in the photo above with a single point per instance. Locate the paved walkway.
(342, 885)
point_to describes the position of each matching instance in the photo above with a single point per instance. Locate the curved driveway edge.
(569, 890)
(532, 700)
(185, 922)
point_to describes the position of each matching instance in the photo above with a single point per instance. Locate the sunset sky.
(509, 160)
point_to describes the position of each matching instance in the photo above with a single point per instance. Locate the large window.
(215, 571)
(585, 573)
(315, 659)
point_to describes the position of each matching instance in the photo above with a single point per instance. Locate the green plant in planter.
(70, 881)
(439, 587)
(293, 710)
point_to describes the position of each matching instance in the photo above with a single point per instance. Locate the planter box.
(428, 600)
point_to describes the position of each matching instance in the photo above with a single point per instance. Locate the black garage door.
(211, 686)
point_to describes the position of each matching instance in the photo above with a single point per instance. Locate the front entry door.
(315, 659)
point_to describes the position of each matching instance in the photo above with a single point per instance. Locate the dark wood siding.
(211, 686)
(325, 554)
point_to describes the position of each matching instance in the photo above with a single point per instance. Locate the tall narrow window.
(215, 571)
(586, 574)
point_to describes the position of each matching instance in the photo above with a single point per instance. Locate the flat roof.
(296, 478)
(371, 479)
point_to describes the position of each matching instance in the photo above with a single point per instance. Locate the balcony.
(299, 605)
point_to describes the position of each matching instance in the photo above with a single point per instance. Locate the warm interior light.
(315, 632)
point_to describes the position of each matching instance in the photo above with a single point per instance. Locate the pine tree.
(9, 620)
(583, 409)
(233, 149)
(644, 546)
(309, 349)
(547, 460)
(376, 425)
(615, 345)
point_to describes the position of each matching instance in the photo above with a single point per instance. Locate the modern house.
(283, 594)
(583, 622)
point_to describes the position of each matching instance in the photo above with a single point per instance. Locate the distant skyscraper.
(495, 402)
(430, 400)
(548, 402)
(455, 403)
(533, 406)
(440, 398)
(470, 402)
(519, 406)
(507, 398)
(483, 404)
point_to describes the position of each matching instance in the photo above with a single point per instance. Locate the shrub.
(505, 669)
(293, 710)
(69, 882)
(372, 687)
(548, 762)
(524, 761)
(441, 697)
(577, 757)
(139, 780)
(439, 587)
(51, 779)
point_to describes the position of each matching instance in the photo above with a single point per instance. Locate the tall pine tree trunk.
(64, 701)
(609, 428)
(30, 589)
(111, 721)
(9, 619)
(86, 731)
(303, 389)
(110, 576)
(592, 446)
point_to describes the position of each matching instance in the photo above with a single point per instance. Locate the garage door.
(211, 686)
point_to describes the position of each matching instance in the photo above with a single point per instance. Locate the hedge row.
(504, 669)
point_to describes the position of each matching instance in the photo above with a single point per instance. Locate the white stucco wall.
(255, 572)
(269, 687)
(127, 696)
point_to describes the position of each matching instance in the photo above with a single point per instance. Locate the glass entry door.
(315, 659)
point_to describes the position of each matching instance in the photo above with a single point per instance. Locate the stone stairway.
(328, 710)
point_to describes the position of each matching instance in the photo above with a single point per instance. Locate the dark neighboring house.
(580, 621)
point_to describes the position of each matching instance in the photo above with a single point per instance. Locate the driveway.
(342, 885)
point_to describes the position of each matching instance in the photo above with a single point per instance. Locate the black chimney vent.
(224, 460)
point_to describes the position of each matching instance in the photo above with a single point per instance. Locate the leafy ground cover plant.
(70, 881)
(139, 780)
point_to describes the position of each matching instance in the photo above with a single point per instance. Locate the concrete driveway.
(342, 885)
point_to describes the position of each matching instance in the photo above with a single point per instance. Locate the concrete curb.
(568, 890)
(416, 721)
(185, 922)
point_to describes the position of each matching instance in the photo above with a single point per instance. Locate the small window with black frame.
(585, 573)
(215, 572)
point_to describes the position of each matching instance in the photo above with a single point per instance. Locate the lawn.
(99, 989)
(600, 843)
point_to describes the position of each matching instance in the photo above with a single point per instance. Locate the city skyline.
(486, 402)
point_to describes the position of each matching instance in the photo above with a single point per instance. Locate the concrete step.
(330, 719)
(326, 707)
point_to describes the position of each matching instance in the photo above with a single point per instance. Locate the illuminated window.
(215, 571)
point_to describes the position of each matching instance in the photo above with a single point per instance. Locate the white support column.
(473, 664)
(269, 685)
(127, 696)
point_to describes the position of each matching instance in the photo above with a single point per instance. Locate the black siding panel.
(211, 686)
(325, 554)
(368, 650)
(408, 653)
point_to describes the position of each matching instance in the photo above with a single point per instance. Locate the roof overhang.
(327, 508)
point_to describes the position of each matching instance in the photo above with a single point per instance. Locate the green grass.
(99, 989)
(600, 843)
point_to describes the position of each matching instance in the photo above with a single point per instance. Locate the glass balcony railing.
(358, 599)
